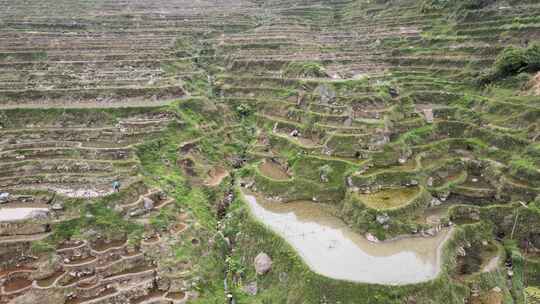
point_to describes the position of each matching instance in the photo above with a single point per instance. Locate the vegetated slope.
(405, 116)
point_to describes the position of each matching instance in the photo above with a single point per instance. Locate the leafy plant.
(304, 69)
(455, 6)
(243, 110)
(512, 61)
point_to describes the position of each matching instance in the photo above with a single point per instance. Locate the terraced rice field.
(130, 129)
(389, 198)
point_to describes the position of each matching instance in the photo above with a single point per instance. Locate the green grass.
(533, 294)
(512, 61)
(304, 70)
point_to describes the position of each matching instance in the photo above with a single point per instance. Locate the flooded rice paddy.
(19, 214)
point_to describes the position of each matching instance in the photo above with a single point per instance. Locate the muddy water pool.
(332, 249)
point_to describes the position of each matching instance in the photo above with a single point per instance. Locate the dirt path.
(89, 104)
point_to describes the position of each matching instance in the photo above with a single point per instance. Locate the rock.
(461, 251)
(137, 212)
(263, 263)
(429, 181)
(57, 207)
(411, 300)
(497, 289)
(251, 288)
(435, 202)
(4, 197)
(428, 115)
(148, 203)
(414, 182)
(430, 232)
(444, 196)
(392, 91)
(324, 178)
(370, 237)
(118, 208)
(383, 218)
(402, 160)
(350, 182)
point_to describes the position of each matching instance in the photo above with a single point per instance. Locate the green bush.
(455, 6)
(304, 69)
(532, 57)
(41, 247)
(512, 61)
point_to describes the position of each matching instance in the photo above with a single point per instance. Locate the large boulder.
(148, 203)
(263, 263)
(4, 197)
(428, 115)
(383, 218)
(370, 237)
(57, 206)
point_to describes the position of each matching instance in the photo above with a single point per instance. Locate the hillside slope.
(401, 119)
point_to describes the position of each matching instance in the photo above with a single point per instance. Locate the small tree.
(243, 110)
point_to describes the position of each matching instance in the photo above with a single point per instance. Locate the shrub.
(455, 6)
(532, 57)
(243, 110)
(512, 61)
(304, 69)
(41, 247)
